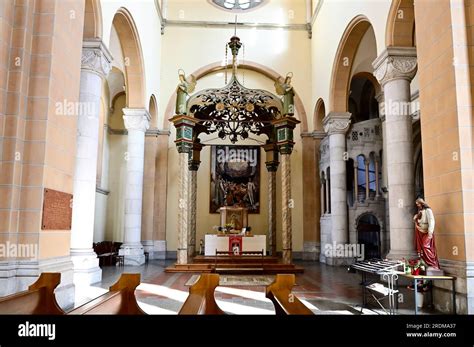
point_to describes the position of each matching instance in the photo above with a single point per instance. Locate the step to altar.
(236, 268)
(201, 259)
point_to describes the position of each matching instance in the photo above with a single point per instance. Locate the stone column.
(272, 162)
(184, 142)
(284, 129)
(336, 125)
(395, 68)
(137, 122)
(95, 66)
(193, 167)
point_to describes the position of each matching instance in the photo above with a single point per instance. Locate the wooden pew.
(279, 292)
(119, 300)
(38, 299)
(201, 297)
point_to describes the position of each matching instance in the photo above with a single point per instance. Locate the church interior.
(170, 157)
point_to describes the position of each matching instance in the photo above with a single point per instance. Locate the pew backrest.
(201, 299)
(285, 302)
(38, 299)
(120, 300)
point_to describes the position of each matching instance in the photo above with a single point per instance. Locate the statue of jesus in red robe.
(424, 237)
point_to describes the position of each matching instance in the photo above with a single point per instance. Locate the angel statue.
(284, 87)
(185, 87)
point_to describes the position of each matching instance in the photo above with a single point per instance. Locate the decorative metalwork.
(234, 111)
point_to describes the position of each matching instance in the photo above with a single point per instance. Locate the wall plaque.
(57, 210)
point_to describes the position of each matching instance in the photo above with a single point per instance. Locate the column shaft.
(394, 69)
(286, 208)
(192, 213)
(95, 63)
(272, 237)
(136, 122)
(337, 143)
(183, 214)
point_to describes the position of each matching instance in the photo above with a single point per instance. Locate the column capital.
(395, 63)
(195, 160)
(136, 119)
(284, 129)
(337, 122)
(96, 58)
(272, 160)
(319, 134)
(184, 132)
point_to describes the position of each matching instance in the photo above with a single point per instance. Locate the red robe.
(425, 246)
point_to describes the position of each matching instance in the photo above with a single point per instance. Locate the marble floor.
(324, 289)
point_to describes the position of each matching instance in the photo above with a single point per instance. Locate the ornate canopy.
(235, 111)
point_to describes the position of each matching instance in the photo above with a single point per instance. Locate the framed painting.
(235, 177)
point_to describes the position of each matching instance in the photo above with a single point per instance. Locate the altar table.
(222, 243)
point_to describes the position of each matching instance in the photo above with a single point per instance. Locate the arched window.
(328, 190)
(362, 102)
(323, 193)
(361, 181)
(372, 176)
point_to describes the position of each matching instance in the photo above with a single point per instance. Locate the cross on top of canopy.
(235, 111)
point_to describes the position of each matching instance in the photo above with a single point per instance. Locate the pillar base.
(311, 250)
(86, 267)
(338, 261)
(133, 254)
(156, 249)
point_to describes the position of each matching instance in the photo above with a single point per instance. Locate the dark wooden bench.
(38, 299)
(285, 302)
(201, 299)
(107, 252)
(120, 299)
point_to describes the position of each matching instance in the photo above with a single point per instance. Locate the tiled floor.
(324, 289)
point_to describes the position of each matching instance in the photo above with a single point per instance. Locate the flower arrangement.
(415, 266)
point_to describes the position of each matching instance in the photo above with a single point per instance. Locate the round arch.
(153, 109)
(92, 20)
(248, 65)
(400, 29)
(132, 52)
(319, 114)
(342, 67)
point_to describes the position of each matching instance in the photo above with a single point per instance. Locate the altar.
(234, 244)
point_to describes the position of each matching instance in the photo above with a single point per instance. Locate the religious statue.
(284, 87)
(185, 87)
(424, 238)
(250, 192)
